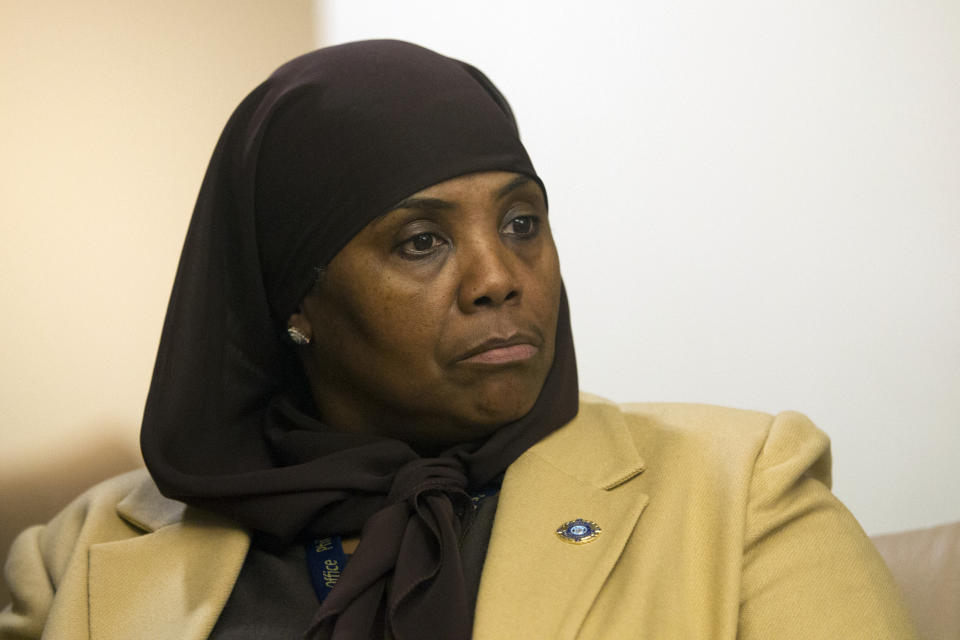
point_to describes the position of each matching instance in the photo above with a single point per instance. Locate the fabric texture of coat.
(715, 523)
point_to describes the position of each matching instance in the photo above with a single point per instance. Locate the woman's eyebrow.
(416, 202)
(513, 185)
(439, 204)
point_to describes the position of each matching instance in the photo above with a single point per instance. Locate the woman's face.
(436, 323)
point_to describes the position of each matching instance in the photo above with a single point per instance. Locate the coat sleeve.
(809, 570)
(31, 587)
(38, 559)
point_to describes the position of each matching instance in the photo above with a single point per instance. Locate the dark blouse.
(273, 597)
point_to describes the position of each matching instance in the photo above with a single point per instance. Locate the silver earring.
(298, 337)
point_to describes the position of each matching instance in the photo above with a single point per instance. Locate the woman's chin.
(477, 419)
(500, 406)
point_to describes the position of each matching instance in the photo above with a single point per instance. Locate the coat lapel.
(534, 584)
(172, 582)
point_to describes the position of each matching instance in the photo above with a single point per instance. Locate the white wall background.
(757, 204)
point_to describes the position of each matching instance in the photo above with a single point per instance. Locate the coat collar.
(595, 448)
(148, 509)
(535, 584)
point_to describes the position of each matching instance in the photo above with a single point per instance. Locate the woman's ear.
(299, 329)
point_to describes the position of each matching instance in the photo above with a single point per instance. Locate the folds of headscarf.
(330, 141)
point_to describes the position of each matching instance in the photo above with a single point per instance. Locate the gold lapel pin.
(579, 531)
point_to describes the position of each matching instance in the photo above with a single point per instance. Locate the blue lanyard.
(326, 561)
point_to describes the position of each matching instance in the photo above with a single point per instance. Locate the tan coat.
(716, 523)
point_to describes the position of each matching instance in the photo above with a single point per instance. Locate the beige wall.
(109, 112)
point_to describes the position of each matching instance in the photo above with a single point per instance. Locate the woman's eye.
(421, 245)
(522, 226)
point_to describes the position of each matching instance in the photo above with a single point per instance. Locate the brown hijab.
(331, 140)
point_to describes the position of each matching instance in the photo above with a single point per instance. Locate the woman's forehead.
(496, 184)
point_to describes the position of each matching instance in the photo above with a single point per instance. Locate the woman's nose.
(489, 277)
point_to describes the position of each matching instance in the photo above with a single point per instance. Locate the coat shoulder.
(713, 438)
(685, 417)
(109, 492)
(677, 422)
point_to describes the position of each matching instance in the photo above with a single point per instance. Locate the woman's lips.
(503, 355)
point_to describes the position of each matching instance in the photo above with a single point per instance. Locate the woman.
(367, 355)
